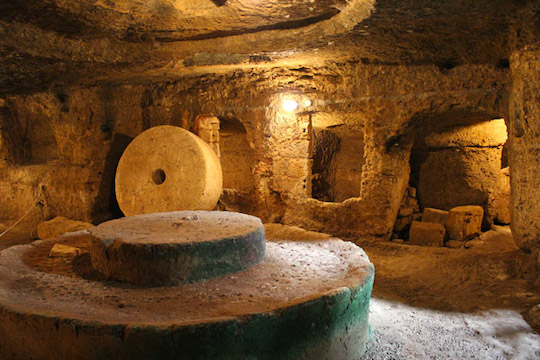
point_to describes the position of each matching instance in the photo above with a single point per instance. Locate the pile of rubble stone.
(435, 227)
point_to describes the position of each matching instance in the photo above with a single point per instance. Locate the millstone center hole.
(158, 176)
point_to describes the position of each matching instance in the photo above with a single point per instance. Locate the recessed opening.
(338, 158)
(461, 165)
(237, 156)
(158, 176)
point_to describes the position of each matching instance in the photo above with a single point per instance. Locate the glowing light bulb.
(307, 103)
(289, 105)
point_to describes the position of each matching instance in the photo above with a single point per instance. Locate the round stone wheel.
(309, 299)
(167, 168)
(177, 247)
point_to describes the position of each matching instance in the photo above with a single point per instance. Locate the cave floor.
(441, 303)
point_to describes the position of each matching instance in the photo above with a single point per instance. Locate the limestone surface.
(177, 247)
(501, 202)
(59, 226)
(426, 233)
(64, 251)
(435, 216)
(167, 168)
(525, 156)
(464, 222)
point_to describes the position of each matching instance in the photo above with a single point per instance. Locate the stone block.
(427, 234)
(435, 216)
(473, 243)
(59, 226)
(502, 229)
(454, 244)
(82, 236)
(459, 177)
(64, 251)
(464, 222)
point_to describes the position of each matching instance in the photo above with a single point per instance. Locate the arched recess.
(237, 159)
(338, 158)
(456, 160)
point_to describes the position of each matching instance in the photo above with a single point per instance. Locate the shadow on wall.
(106, 205)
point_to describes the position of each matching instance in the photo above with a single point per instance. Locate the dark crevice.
(46, 15)
(219, 2)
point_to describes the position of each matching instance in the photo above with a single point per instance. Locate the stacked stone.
(408, 212)
(451, 228)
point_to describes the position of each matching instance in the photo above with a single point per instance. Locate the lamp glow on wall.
(290, 105)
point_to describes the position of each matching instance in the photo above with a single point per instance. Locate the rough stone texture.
(525, 150)
(64, 251)
(237, 157)
(326, 145)
(79, 79)
(533, 317)
(464, 222)
(338, 158)
(462, 167)
(167, 168)
(281, 173)
(502, 229)
(21, 186)
(60, 225)
(487, 134)
(474, 243)
(454, 244)
(177, 247)
(207, 128)
(90, 39)
(427, 234)
(501, 202)
(435, 216)
(348, 165)
(309, 299)
(408, 211)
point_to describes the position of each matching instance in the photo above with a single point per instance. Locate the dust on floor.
(440, 303)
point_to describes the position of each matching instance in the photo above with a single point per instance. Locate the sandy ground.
(440, 303)
(401, 331)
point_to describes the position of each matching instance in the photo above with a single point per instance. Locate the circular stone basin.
(177, 247)
(308, 299)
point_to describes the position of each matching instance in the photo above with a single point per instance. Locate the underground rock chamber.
(304, 299)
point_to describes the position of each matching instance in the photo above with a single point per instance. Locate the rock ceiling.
(54, 42)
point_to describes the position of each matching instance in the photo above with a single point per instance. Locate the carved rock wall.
(87, 127)
(525, 149)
